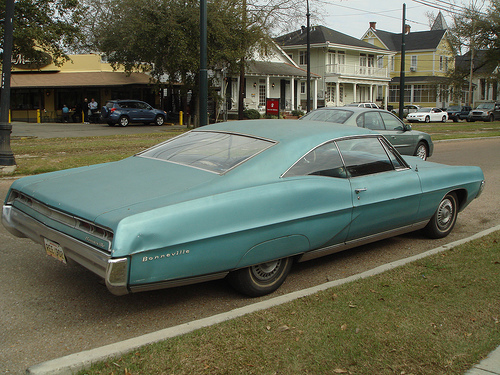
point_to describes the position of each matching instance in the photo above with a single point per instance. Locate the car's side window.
(363, 156)
(322, 161)
(391, 122)
(370, 120)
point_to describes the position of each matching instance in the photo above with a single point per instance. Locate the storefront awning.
(83, 79)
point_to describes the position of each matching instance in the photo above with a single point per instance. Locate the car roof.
(313, 132)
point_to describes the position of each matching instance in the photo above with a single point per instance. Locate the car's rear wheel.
(422, 152)
(427, 119)
(261, 279)
(159, 120)
(124, 121)
(444, 219)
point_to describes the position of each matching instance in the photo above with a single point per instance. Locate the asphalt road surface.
(49, 310)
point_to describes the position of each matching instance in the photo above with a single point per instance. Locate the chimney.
(407, 29)
(373, 25)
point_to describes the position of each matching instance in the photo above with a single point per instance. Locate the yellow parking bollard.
(38, 116)
(180, 117)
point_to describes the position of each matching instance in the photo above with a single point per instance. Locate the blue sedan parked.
(242, 200)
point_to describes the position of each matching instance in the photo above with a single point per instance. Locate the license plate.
(54, 250)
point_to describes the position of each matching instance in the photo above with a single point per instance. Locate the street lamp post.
(7, 161)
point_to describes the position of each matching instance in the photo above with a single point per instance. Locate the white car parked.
(428, 115)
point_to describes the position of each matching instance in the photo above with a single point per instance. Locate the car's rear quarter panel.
(235, 229)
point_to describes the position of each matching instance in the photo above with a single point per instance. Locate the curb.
(78, 361)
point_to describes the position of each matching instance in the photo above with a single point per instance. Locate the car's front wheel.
(492, 118)
(159, 120)
(444, 119)
(261, 279)
(427, 119)
(421, 151)
(445, 217)
(124, 121)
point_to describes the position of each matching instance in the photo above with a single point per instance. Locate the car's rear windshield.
(212, 151)
(338, 116)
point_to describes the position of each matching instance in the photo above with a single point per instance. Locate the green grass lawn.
(455, 130)
(438, 315)
(35, 156)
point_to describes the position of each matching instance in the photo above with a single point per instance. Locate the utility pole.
(7, 161)
(402, 74)
(203, 65)
(241, 92)
(308, 83)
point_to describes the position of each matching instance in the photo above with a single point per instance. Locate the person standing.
(85, 111)
(65, 113)
(93, 106)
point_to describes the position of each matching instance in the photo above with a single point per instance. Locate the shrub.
(251, 114)
(298, 113)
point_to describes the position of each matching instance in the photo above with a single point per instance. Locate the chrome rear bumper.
(113, 270)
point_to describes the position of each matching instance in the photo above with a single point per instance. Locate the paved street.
(49, 310)
(52, 130)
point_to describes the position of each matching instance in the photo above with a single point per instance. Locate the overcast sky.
(352, 17)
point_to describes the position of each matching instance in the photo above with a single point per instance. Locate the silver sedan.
(400, 134)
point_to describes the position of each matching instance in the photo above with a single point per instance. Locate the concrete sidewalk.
(78, 361)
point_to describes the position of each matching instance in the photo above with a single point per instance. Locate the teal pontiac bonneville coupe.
(241, 200)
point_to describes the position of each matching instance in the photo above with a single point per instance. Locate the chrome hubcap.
(266, 271)
(445, 214)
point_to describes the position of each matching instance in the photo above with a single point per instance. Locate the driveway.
(49, 310)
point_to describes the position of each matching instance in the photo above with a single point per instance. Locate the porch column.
(354, 92)
(292, 90)
(267, 87)
(315, 98)
(386, 96)
(371, 93)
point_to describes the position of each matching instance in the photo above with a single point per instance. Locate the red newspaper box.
(273, 107)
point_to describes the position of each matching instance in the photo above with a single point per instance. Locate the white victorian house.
(275, 76)
(351, 70)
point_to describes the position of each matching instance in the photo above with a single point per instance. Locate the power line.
(364, 11)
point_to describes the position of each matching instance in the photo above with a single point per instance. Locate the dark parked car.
(458, 112)
(406, 140)
(485, 112)
(124, 112)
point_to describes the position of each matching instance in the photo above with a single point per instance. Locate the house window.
(413, 66)
(380, 62)
(262, 95)
(331, 58)
(341, 57)
(302, 87)
(362, 59)
(441, 63)
(330, 92)
(303, 58)
(371, 61)
(392, 63)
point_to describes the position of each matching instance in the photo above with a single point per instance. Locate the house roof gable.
(322, 35)
(414, 41)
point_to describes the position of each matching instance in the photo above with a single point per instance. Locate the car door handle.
(359, 190)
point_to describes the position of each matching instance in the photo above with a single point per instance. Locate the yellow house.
(40, 92)
(428, 57)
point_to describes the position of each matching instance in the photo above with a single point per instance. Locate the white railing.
(357, 70)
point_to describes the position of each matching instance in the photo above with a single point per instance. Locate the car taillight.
(113, 109)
